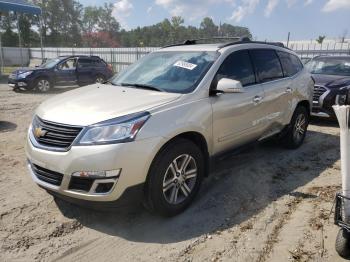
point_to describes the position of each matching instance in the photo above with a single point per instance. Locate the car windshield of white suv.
(174, 72)
(50, 63)
(330, 66)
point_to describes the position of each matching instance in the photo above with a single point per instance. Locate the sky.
(267, 19)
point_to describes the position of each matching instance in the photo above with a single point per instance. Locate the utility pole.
(288, 39)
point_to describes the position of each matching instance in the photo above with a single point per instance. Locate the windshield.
(175, 72)
(330, 66)
(50, 63)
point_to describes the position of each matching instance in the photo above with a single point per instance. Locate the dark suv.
(67, 70)
(332, 79)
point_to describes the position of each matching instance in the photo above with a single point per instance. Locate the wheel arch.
(193, 136)
(306, 104)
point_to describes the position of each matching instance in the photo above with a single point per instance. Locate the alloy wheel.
(180, 179)
(100, 80)
(299, 128)
(43, 85)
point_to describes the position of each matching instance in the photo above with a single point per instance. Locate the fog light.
(22, 84)
(97, 174)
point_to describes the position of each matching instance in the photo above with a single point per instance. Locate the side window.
(296, 62)
(69, 64)
(290, 63)
(85, 62)
(267, 64)
(237, 66)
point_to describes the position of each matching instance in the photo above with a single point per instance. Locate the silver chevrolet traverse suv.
(151, 130)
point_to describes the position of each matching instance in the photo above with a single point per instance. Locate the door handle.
(288, 90)
(257, 99)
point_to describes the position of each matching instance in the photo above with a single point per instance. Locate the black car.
(332, 79)
(67, 70)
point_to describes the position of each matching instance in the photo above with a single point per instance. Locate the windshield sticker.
(185, 65)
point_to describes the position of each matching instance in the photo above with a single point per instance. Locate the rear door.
(86, 70)
(276, 88)
(65, 72)
(236, 115)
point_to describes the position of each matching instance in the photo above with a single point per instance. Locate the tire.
(342, 244)
(296, 130)
(100, 79)
(42, 85)
(167, 184)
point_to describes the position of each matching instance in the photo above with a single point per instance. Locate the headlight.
(118, 130)
(25, 74)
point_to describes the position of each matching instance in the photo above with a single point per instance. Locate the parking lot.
(265, 203)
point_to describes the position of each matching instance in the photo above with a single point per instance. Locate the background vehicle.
(332, 78)
(153, 128)
(71, 70)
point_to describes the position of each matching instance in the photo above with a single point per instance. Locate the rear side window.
(85, 62)
(237, 66)
(267, 65)
(290, 63)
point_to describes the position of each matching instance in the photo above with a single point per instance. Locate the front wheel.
(43, 85)
(296, 131)
(174, 178)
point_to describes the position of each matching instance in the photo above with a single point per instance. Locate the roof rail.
(195, 41)
(245, 40)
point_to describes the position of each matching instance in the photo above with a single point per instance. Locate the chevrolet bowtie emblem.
(38, 132)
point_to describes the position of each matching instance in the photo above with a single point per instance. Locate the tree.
(320, 39)
(208, 27)
(99, 39)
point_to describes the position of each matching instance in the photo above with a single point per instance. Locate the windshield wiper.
(143, 86)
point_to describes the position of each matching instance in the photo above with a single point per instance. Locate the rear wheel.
(100, 79)
(43, 85)
(297, 128)
(174, 178)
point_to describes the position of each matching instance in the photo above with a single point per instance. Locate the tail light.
(110, 68)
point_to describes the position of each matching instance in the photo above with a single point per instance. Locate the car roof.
(79, 56)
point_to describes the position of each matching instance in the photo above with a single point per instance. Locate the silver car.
(151, 131)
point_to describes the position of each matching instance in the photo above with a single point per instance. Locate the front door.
(66, 72)
(237, 117)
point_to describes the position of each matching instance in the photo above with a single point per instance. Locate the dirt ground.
(263, 204)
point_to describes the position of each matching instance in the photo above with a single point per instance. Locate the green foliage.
(66, 23)
(320, 39)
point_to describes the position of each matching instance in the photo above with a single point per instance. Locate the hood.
(331, 81)
(95, 103)
(26, 69)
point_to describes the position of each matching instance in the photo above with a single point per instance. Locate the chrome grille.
(56, 135)
(318, 92)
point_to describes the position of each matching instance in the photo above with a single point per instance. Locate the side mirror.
(226, 85)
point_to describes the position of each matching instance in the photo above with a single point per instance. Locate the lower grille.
(318, 92)
(80, 184)
(47, 176)
(53, 134)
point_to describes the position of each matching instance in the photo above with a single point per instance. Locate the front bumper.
(132, 159)
(20, 83)
(323, 106)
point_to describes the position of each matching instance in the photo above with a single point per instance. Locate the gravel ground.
(263, 204)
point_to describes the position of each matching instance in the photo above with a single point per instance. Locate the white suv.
(151, 130)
